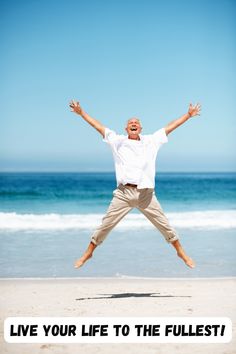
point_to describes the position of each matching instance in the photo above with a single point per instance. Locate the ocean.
(46, 221)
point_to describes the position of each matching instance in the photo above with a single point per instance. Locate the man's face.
(133, 127)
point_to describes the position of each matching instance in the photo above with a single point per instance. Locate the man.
(134, 156)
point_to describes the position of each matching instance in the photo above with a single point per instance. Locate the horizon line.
(107, 171)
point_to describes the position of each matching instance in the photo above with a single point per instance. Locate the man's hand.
(75, 107)
(194, 110)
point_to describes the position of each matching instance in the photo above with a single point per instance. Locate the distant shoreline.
(124, 278)
(113, 172)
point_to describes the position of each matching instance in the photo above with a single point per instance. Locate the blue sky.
(120, 59)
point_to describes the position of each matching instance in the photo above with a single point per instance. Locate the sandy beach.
(118, 297)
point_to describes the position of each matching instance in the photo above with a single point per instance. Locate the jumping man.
(134, 156)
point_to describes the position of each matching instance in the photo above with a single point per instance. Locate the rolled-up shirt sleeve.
(160, 136)
(110, 136)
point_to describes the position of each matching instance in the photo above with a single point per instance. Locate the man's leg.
(87, 254)
(118, 208)
(181, 253)
(151, 208)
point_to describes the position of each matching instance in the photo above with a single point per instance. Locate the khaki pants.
(126, 198)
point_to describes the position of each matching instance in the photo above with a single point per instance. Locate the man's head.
(133, 128)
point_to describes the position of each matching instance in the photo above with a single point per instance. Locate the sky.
(142, 58)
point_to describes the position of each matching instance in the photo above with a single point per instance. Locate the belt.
(131, 185)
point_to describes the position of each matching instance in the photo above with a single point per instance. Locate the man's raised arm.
(192, 111)
(76, 108)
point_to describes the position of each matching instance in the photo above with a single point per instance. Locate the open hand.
(194, 110)
(75, 107)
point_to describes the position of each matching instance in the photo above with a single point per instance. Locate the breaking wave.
(210, 219)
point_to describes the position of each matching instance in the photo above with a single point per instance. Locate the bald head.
(134, 119)
(133, 128)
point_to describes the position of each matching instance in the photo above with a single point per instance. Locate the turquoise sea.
(46, 220)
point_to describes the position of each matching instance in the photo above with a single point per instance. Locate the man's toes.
(82, 260)
(190, 263)
(78, 264)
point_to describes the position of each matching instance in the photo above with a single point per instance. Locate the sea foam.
(210, 219)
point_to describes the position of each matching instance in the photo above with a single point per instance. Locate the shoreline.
(121, 278)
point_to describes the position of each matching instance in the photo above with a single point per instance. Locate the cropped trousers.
(125, 198)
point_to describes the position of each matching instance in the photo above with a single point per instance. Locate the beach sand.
(118, 297)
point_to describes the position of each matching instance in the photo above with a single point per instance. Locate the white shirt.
(135, 159)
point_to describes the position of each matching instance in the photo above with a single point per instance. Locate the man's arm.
(76, 108)
(192, 111)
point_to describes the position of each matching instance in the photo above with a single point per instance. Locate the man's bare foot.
(79, 262)
(187, 260)
(87, 254)
(181, 253)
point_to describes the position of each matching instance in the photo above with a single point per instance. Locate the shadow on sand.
(127, 295)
